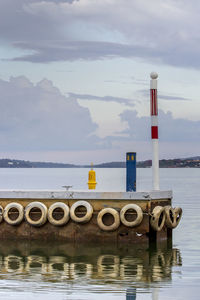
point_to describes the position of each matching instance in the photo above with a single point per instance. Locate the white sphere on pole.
(154, 75)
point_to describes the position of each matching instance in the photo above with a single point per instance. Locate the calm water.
(63, 271)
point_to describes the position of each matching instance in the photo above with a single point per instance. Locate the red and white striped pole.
(154, 129)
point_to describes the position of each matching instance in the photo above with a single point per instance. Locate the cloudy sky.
(74, 78)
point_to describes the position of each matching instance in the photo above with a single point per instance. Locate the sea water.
(66, 271)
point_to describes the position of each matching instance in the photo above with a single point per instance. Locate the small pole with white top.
(154, 129)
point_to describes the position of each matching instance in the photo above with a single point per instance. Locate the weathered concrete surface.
(43, 194)
(74, 232)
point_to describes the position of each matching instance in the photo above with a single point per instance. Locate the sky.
(74, 79)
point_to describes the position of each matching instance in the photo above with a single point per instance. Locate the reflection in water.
(128, 267)
(131, 294)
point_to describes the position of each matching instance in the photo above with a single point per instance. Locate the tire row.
(67, 213)
(160, 215)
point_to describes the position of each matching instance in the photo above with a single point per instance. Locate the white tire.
(89, 211)
(1, 213)
(65, 217)
(138, 219)
(42, 220)
(178, 214)
(20, 210)
(157, 220)
(170, 217)
(115, 215)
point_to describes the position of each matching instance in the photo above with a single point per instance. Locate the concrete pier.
(88, 230)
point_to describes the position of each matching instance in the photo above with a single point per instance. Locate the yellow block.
(92, 180)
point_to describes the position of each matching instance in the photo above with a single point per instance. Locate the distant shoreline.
(192, 162)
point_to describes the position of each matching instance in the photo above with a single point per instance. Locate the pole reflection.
(131, 294)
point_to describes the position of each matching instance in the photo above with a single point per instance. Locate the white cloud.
(39, 117)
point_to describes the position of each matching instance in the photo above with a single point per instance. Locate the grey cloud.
(125, 101)
(170, 129)
(17, 25)
(179, 129)
(74, 50)
(138, 127)
(129, 80)
(19, 21)
(164, 97)
(53, 1)
(48, 51)
(174, 98)
(39, 117)
(72, 30)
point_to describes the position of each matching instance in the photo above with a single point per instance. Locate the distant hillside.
(163, 163)
(192, 162)
(12, 163)
(173, 163)
(116, 164)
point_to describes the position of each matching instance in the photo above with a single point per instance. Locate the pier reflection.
(129, 267)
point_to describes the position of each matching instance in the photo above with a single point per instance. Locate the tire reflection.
(71, 263)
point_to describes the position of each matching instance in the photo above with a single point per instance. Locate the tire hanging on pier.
(36, 206)
(89, 211)
(178, 214)
(173, 216)
(138, 211)
(157, 220)
(1, 213)
(170, 217)
(115, 215)
(13, 208)
(52, 210)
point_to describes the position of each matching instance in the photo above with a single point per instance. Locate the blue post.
(131, 171)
